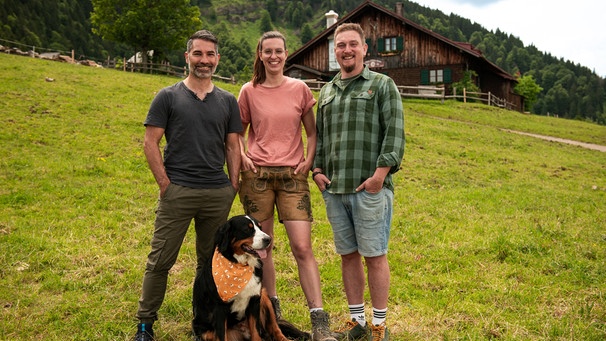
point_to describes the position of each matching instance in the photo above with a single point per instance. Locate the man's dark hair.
(204, 35)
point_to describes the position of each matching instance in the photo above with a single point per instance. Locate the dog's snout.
(266, 240)
(261, 240)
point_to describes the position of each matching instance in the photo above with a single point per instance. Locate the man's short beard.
(203, 74)
(349, 68)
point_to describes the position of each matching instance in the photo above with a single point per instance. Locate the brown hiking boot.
(352, 331)
(320, 327)
(378, 333)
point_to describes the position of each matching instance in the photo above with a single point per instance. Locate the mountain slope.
(569, 90)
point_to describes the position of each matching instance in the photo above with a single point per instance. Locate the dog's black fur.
(249, 315)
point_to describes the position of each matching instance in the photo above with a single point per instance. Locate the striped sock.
(356, 311)
(378, 316)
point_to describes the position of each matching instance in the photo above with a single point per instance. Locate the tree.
(297, 18)
(467, 82)
(236, 56)
(265, 25)
(529, 89)
(146, 25)
(272, 8)
(556, 101)
(306, 33)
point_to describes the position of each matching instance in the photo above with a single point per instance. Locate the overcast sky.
(572, 30)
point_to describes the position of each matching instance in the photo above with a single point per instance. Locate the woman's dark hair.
(259, 67)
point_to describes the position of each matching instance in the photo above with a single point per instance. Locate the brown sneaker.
(352, 331)
(320, 326)
(378, 333)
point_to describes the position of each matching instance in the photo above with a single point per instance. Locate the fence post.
(489, 99)
(464, 95)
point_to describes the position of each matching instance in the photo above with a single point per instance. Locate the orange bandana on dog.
(230, 278)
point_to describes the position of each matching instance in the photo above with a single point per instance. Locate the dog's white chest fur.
(240, 302)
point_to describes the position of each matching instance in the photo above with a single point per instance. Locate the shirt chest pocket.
(362, 103)
(363, 95)
(326, 101)
(325, 107)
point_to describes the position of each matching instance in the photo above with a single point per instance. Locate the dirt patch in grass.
(557, 139)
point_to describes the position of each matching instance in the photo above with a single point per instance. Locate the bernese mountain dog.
(229, 302)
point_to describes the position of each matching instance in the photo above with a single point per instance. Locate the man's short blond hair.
(350, 27)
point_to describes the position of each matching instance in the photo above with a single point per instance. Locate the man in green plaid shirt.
(360, 124)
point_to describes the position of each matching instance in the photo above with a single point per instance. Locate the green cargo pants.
(209, 208)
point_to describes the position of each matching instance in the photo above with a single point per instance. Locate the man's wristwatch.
(313, 175)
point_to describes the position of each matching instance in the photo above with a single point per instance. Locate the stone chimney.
(399, 9)
(331, 18)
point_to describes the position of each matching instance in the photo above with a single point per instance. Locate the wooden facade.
(407, 52)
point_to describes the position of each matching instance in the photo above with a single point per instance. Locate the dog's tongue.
(262, 253)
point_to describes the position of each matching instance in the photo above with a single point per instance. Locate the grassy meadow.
(496, 236)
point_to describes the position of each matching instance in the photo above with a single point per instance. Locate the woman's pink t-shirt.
(274, 116)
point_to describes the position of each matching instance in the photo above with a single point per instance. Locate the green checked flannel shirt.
(360, 123)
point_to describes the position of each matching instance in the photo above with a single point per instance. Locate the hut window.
(390, 44)
(436, 76)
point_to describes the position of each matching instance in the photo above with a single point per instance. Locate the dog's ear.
(223, 237)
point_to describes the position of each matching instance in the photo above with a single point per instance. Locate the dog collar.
(230, 278)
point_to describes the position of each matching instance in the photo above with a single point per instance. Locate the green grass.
(496, 236)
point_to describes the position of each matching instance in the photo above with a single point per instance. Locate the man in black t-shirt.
(201, 125)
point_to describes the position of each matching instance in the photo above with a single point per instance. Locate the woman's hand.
(247, 164)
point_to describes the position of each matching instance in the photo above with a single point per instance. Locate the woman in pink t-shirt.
(275, 167)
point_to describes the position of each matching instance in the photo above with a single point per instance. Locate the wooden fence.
(314, 84)
(423, 91)
(437, 92)
(484, 97)
(164, 69)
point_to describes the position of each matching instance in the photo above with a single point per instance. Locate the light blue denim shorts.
(360, 221)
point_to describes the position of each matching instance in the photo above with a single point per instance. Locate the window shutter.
(424, 77)
(400, 43)
(447, 75)
(381, 45)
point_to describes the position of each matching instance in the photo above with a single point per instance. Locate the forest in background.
(570, 90)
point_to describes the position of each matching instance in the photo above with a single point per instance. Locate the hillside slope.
(569, 90)
(495, 235)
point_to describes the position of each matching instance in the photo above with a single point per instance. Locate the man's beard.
(349, 68)
(200, 73)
